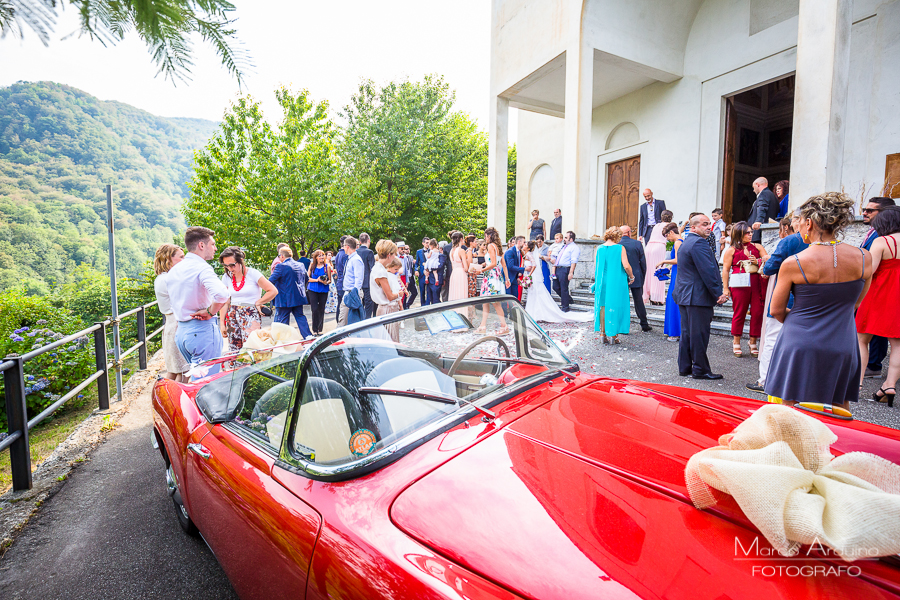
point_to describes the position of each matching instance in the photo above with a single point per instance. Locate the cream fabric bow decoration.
(778, 467)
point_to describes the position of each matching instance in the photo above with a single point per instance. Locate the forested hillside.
(59, 147)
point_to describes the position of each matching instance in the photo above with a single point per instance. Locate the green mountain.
(59, 148)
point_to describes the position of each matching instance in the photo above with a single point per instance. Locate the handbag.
(739, 280)
(662, 274)
(749, 266)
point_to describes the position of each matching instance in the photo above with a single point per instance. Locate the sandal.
(754, 350)
(736, 348)
(503, 331)
(481, 330)
(884, 397)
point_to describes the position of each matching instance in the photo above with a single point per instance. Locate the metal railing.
(13, 369)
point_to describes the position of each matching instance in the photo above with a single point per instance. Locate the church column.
(498, 146)
(820, 97)
(577, 143)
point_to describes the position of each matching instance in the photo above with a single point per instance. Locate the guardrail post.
(17, 417)
(142, 338)
(101, 361)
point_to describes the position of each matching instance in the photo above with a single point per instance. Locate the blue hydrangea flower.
(18, 338)
(17, 331)
(24, 329)
(72, 348)
(41, 322)
(31, 333)
(29, 377)
(27, 390)
(80, 395)
(53, 355)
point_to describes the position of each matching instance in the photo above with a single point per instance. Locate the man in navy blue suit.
(290, 280)
(697, 289)
(436, 279)
(513, 258)
(420, 269)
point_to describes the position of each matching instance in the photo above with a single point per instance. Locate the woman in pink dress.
(654, 289)
(459, 275)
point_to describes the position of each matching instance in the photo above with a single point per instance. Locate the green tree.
(423, 165)
(256, 185)
(165, 26)
(511, 192)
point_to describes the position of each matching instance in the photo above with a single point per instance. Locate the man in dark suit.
(556, 224)
(368, 258)
(436, 280)
(764, 208)
(290, 278)
(513, 258)
(697, 289)
(448, 268)
(651, 212)
(634, 250)
(420, 269)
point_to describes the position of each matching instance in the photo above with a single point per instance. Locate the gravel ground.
(650, 357)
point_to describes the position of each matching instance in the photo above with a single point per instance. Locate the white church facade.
(693, 99)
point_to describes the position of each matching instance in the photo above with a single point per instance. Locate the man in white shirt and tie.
(565, 269)
(196, 294)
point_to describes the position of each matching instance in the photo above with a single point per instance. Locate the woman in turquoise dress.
(672, 326)
(612, 275)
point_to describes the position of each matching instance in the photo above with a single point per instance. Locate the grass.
(45, 437)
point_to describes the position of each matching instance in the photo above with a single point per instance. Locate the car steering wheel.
(467, 349)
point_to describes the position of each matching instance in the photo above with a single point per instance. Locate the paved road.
(110, 532)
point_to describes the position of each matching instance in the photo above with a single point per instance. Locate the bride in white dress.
(539, 304)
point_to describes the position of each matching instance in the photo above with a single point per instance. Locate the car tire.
(181, 512)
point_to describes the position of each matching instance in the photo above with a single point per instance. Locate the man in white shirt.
(565, 268)
(718, 231)
(354, 275)
(196, 294)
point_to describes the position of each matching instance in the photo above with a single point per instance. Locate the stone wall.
(584, 271)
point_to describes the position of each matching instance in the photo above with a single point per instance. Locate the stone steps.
(583, 301)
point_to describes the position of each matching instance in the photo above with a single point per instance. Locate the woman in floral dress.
(495, 279)
(331, 303)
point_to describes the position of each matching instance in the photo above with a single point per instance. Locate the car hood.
(585, 497)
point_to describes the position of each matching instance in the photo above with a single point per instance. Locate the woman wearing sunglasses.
(241, 313)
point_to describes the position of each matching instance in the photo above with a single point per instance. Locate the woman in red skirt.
(878, 312)
(741, 257)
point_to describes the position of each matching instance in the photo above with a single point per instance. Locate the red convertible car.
(412, 456)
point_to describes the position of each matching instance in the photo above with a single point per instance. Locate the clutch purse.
(662, 274)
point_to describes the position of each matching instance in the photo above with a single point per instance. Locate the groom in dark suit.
(697, 289)
(651, 212)
(513, 258)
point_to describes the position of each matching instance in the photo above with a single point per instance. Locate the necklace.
(833, 244)
(238, 287)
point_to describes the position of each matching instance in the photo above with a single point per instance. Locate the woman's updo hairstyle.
(456, 237)
(666, 216)
(669, 228)
(385, 248)
(831, 211)
(613, 234)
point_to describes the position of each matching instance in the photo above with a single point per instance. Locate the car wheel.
(184, 519)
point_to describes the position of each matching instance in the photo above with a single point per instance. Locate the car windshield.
(382, 382)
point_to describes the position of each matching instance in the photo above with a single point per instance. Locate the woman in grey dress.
(816, 357)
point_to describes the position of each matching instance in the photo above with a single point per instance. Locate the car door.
(262, 535)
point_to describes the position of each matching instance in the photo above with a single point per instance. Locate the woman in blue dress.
(612, 299)
(672, 327)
